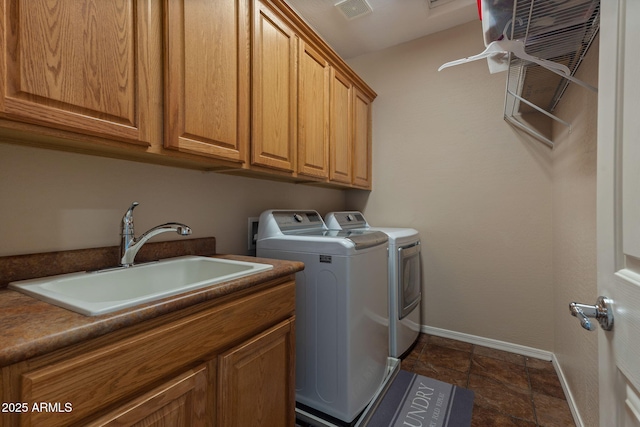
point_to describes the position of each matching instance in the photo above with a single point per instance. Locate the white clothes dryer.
(405, 277)
(341, 305)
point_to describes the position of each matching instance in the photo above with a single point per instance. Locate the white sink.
(100, 292)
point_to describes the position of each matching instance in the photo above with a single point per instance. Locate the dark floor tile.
(409, 360)
(413, 354)
(449, 343)
(486, 417)
(552, 412)
(407, 364)
(501, 371)
(510, 389)
(501, 397)
(546, 382)
(542, 365)
(441, 374)
(418, 348)
(423, 338)
(499, 354)
(443, 357)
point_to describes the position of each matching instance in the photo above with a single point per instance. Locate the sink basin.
(105, 291)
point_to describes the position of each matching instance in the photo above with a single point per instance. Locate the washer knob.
(297, 217)
(350, 217)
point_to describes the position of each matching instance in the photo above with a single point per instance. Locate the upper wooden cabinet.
(207, 79)
(313, 113)
(80, 65)
(362, 140)
(274, 91)
(341, 118)
(333, 123)
(240, 86)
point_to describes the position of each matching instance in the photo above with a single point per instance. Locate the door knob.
(601, 311)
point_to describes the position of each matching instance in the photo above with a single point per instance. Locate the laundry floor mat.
(413, 400)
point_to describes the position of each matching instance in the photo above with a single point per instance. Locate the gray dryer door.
(409, 279)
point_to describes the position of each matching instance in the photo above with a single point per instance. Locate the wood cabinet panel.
(274, 91)
(341, 142)
(207, 77)
(259, 374)
(362, 140)
(180, 402)
(79, 65)
(313, 113)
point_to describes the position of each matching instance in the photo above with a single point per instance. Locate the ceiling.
(391, 22)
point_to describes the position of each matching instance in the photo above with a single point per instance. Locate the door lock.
(601, 311)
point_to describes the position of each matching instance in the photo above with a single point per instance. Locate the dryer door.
(409, 279)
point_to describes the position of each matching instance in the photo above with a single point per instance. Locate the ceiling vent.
(353, 9)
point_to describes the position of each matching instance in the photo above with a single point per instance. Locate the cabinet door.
(274, 91)
(178, 403)
(362, 140)
(256, 380)
(207, 77)
(341, 117)
(313, 113)
(80, 65)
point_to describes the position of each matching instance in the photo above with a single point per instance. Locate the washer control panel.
(294, 220)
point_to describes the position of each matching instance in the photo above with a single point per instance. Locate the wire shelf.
(557, 30)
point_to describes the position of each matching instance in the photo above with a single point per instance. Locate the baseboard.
(513, 348)
(488, 342)
(577, 419)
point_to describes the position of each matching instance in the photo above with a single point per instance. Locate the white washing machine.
(341, 306)
(405, 277)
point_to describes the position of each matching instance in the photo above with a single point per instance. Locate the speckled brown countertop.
(30, 327)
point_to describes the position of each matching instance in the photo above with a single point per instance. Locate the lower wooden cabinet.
(179, 402)
(228, 363)
(254, 388)
(252, 375)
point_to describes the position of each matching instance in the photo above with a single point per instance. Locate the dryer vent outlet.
(353, 9)
(252, 232)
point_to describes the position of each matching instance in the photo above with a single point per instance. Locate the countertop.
(30, 327)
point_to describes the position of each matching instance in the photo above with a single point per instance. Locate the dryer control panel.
(346, 220)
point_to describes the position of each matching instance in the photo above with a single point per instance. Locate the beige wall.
(53, 201)
(574, 237)
(508, 225)
(479, 192)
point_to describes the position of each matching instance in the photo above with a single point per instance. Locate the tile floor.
(510, 389)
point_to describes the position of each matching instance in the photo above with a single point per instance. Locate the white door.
(619, 210)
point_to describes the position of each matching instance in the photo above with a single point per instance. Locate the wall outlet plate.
(252, 232)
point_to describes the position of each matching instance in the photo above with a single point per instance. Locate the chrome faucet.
(130, 245)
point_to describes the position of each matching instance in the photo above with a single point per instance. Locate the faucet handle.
(127, 220)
